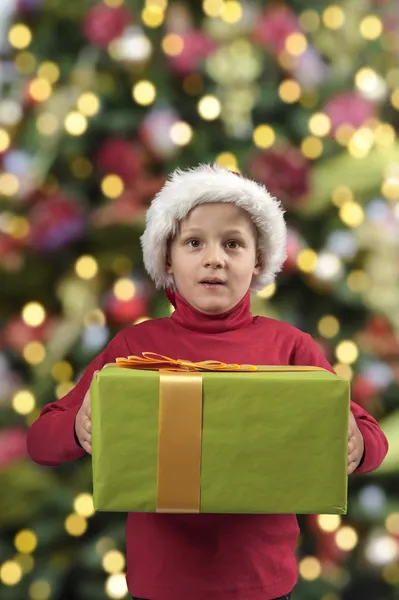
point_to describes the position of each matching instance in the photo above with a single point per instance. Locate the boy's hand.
(355, 445)
(83, 423)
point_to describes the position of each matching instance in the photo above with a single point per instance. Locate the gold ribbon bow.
(180, 423)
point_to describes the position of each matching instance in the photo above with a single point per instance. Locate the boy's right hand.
(83, 423)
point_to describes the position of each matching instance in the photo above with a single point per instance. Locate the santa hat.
(185, 190)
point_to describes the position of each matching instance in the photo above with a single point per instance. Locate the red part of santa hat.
(186, 189)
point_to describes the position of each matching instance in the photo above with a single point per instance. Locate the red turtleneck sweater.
(197, 557)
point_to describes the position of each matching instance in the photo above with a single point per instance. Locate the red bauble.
(284, 172)
(12, 446)
(55, 222)
(197, 46)
(17, 333)
(122, 312)
(274, 26)
(349, 108)
(363, 391)
(294, 246)
(103, 24)
(121, 157)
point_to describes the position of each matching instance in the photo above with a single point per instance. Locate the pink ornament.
(274, 26)
(121, 157)
(17, 333)
(103, 24)
(284, 172)
(122, 312)
(349, 108)
(154, 132)
(294, 246)
(12, 446)
(55, 222)
(197, 46)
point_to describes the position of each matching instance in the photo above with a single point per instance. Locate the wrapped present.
(181, 437)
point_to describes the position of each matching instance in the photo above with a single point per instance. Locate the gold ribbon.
(180, 423)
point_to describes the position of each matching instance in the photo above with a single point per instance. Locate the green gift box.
(274, 440)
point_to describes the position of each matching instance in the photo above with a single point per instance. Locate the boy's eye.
(193, 243)
(232, 245)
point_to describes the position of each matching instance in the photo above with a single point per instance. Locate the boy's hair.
(207, 184)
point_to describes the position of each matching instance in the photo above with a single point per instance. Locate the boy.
(210, 237)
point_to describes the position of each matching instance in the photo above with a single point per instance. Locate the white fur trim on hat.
(205, 184)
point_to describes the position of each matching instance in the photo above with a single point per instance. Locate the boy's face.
(213, 257)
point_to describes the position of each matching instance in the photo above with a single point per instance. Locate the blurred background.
(99, 102)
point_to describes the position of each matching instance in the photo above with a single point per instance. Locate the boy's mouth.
(212, 282)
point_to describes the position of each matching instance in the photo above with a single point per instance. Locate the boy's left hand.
(355, 445)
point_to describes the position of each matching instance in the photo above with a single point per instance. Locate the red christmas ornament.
(11, 258)
(17, 333)
(12, 446)
(103, 24)
(122, 312)
(294, 246)
(55, 222)
(121, 157)
(363, 390)
(197, 46)
(274, 27)
(349, 108)
(284, 172)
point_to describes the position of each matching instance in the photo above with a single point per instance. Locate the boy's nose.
(213, 258)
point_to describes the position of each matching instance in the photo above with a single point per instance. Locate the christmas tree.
(100, 101)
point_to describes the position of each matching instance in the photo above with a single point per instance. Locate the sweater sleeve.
(308, 353)
(51, 439)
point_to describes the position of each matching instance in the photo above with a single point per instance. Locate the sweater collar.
(189, 317)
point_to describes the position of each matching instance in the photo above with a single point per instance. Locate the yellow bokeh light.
(392, 523)
(328, 326)
(4, 140)
(144, 92)
(172, 44)
(212, 8)
(320, 124)
(75, 525)
(83, 505)
(104, 544)
(152, 16)
(344, 371)
(113, 561)
(25, 541)
(307, 260)
(358, 281)
(263, 136)
(124, 289)
(81, 167)
(23, 402)
(346, 538)
(341, 194)
(329, 523)
(75, 123)
(267, 291)
(112, 186)
(141, 320)
(385, 134)
(10, 572)
(344, 133)
(289, 91)
(47, 124)
(351, 213)
(34, 353)
(50, 71)
(181, 133)
(161, 4)
(347, 352)
(395, 99)
(94, 317)
(371, 27)
(88, 104)
(86, 267)
(209, 108)
(310, 568)
(231, 11)
(40, 89)
(26, 562)
(20, 36)
(312, 147)
(227, 160)
(25, 63)
(390, 189)
(33, 314)
(333, 17)
(9, 184)
(115, 586)
(62, 371)
(296, 44)
(63, 389)
(391, 573)
(309, 20)
(40, 589)
(19, 227)
(366, 79)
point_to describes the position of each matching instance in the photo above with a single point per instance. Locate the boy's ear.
(260, 263)
(168, 263)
